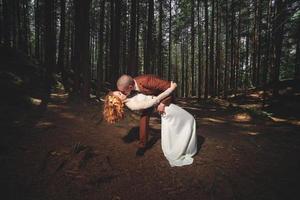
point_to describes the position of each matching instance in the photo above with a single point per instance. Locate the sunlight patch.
(44, 124)
(277, 119)
(295, 122)
(67, 115)
(242, 117)
(59, 95)
(252, 133)
(213, 120)
(35, 101)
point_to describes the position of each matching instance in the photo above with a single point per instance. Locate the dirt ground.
(68, 152)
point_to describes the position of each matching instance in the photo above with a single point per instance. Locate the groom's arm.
(160, 85)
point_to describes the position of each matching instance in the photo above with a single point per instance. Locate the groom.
(148, 85)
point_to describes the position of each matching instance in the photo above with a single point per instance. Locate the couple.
(143, 93)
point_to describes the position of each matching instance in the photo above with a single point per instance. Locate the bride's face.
(119, 95)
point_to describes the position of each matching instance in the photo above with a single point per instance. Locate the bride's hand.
(173, 85)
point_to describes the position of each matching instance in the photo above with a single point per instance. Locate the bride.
(178, 127)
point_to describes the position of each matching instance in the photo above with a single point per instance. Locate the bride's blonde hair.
(113, 108)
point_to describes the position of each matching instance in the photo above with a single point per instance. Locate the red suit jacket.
(150, 85)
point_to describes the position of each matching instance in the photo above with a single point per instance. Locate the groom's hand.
(161, 108)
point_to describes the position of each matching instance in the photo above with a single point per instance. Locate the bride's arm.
(133, 104)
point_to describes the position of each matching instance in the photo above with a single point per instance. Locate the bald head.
(125, 84)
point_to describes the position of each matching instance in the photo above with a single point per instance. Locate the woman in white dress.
(178, 127)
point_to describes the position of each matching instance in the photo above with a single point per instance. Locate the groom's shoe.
(141, 151)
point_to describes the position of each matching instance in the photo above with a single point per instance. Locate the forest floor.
(69, 152)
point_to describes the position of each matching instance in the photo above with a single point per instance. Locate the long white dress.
(178, 129)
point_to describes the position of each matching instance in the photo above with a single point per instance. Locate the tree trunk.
(211, 55)
(192, 66)
(297, 59)
(132, 65)
(218, 46)
(82, 49)
(278, 38)
(149, 50)
(206, 50)
(61, 50)
(226, 52)
(170, 40)
(233, 50)
(7, 22)
(100, 48)
(254, 48)
(50, 49)
(200, 51)
(160, 56)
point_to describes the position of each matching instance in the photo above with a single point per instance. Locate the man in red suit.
(149, 85)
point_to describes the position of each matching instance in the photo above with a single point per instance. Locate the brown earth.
(70, 153)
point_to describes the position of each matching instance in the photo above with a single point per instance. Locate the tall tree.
(206, 50)
(278, 38)
(170, 40)
(50, 48)
(101, 45)
(82, 49)
(61, 48)
(211, 54)
(149, 43)
(200, 50)
(160, 40)
(226, 51)
(192, 66)
(132, 63)
(297, 59)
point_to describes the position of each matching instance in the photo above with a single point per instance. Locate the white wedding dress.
(178, 128)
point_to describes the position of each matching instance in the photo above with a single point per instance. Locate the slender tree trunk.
(192, 66)
(170, 40)
(200, 52)
(233, 50)
(254, 48)
(259, 38)
(37, 28)
(297, 59)
(160, 56)
(226, 52)
(206, 50)
(61, 50)
(100, 48)
(7, 22)
(218, 46)
(132, 67)
(187, 78)
(211, 55)
(149, 50)
(50, 49)
(82, 49)
(237, 62)
(278, 38)
(1, 22)
(182, 50)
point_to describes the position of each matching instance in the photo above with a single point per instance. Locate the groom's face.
(126, 90)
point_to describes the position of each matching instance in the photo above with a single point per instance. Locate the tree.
(101, 44)
(82, 49)
(50, 49)
(278, 38)
(149, 49)
(132, 63)
(192, 66)
(206, 50)
(61, 49)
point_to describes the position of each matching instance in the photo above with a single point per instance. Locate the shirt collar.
(136, 87)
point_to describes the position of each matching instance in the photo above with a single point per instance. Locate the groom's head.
(125, 84)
